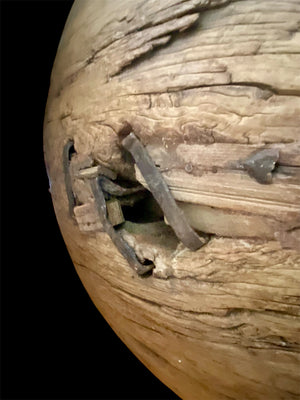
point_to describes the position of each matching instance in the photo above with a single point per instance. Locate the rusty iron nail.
(161, 193)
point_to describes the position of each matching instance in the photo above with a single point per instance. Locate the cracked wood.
(204, 84)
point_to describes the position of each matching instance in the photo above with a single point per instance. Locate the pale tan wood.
(87, 218)
(203, 84)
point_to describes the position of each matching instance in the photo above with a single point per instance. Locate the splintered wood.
(211, 88)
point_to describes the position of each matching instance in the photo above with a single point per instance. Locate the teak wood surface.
(204, 84)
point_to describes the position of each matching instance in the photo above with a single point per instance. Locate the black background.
(54, 342)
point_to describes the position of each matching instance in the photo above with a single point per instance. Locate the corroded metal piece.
(161, 193)
(261, 164)
(114, 189)
(116, 238)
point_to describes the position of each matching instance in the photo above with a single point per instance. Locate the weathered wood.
(204, 85)
(87, 218)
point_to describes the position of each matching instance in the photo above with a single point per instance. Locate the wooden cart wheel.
(172, 145)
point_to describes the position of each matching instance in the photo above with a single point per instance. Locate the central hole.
(145, 210)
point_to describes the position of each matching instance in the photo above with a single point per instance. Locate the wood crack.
(227, 312)
(202, 102)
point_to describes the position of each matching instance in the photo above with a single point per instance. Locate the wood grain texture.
(203, 84)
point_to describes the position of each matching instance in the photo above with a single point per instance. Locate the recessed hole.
(125, 131)
(68, 150)
(145, 210)
(71, 151)
(147, 262)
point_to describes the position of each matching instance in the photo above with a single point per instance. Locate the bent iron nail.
(161, 193)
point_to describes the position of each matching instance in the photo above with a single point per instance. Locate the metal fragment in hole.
(131, 199)
(116, 190)
(161, 193)
(261, 164)
(116, 238)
